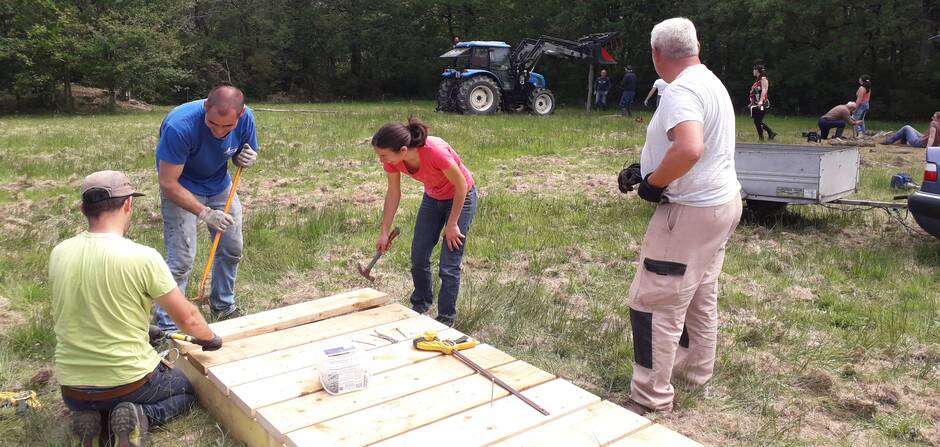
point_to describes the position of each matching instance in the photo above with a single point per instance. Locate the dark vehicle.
(925, 204)
(485, 76)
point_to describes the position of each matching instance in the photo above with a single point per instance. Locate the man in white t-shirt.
(688, 171)
(659, 87)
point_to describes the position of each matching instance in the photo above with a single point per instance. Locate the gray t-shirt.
(696, 95)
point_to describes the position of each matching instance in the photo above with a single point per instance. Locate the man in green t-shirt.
(103, 290)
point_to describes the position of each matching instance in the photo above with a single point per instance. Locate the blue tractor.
(483, 77)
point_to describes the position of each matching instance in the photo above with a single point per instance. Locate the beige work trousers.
(674, 298)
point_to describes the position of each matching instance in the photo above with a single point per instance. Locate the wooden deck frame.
(263, 388)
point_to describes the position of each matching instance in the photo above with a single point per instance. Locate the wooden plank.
(253, 395)
(417, 410)
(294, 315)
(240, 372)
(656, 435)
(597, 425)
(506, 417)
(298, 335)
(237, 424)
(285, 417)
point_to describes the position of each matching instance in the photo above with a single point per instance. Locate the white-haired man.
(688, 171)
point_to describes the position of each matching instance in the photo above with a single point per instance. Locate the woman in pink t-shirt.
(449, 204)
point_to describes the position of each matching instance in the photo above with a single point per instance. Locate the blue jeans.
(907, 135)
(626, 101)
(600, 99)
(179, 238)
(432, 216)
(858, 115)
(825, 125)
(166, 395)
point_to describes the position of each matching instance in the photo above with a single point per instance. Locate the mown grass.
(825, 313)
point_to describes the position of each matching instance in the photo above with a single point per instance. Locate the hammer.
(367, 272)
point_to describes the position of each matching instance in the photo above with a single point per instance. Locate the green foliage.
(175, 50)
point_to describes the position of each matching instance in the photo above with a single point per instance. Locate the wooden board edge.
(238, 425)
(230, 330)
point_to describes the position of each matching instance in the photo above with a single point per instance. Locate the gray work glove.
(246, 156)
(216, 220)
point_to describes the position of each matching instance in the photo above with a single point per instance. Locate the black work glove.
(155, 334)
(649, 192)
(629, 177)
(210, 345)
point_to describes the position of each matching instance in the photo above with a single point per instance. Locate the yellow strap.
(12, 397)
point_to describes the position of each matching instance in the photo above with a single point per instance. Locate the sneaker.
(129, 424)
(771, 134)
(86, 425)
(222, 316)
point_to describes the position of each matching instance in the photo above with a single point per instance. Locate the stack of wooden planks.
(263, 386)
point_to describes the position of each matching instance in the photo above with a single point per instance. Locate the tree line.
(168, 51)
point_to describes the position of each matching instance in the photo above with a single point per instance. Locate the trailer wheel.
(765, 207)
(478, 95)
(542, 102)
(446, 100)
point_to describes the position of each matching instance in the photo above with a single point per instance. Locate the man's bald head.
(224, 107)
(225, 99)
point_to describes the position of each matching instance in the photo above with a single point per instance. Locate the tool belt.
(109, 394)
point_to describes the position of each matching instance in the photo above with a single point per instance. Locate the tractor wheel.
(446, 102)
(478, 95)
(542, 102)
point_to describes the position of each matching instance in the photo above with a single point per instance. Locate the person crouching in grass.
(449, 204)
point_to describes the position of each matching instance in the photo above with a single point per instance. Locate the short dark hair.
(96, 202)
(761, 70)
(227, 95)
(395, 135)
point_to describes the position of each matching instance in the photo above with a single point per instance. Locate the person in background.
(862, 98)
(759, 102)
(659, 87)
(836, 118)
(908, 135)
(628, 88)
(601, 88)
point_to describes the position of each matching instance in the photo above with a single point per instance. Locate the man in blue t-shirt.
(197, 139)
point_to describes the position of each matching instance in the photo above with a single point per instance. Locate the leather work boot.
(129, 424)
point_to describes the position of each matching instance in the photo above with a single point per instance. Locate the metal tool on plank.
(367, 271)
(429, 342)
(387, 338)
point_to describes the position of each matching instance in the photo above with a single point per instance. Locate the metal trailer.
(774, 175)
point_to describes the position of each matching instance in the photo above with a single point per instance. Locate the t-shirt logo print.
(229, 151)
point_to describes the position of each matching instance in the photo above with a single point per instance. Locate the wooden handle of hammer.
(218, 236)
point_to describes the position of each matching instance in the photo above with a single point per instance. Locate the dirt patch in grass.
(9, 317)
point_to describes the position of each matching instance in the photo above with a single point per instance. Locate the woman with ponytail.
(448, 206)
(862, 97)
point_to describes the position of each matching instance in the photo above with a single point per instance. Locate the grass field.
(830, 318)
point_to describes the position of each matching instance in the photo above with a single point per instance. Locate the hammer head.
(366, 273)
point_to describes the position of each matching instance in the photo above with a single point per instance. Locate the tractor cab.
(471, 58)
(482, 77)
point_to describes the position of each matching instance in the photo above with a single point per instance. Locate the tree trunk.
(67, 90)
(590, 89)
(112, 102)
